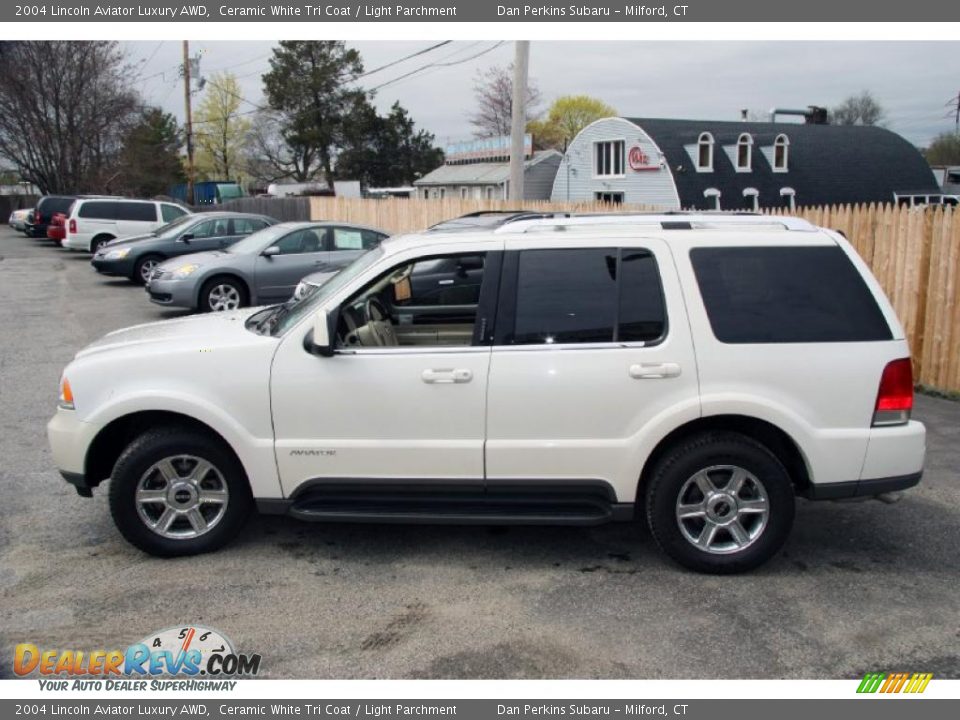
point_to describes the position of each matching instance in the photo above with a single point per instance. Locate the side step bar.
(582, 505)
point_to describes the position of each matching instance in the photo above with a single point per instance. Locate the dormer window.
(781, 149)
(744, 152)
(789, 197)
(705, 153)
(713, 198)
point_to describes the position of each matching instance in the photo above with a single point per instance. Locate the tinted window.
(245, 226)
(138, 211)
(566, 296)
(171, 212)
(642, 314)
(205, 229)
(98, 210)
(786, 295)
(301, 241)
(51, 205)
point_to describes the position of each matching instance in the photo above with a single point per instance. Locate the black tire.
(720, 451)
(152, 447)
(211, 286)
(98, 241)
(141, 265)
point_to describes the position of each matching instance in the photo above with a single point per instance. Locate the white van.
(93, 222)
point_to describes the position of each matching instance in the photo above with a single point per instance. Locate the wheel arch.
(115, 436)
(775, 439)
(221, 275)
(105, 236)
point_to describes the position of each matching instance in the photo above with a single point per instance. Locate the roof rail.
(672, 220)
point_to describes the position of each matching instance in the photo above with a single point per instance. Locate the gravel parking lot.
(861, 587)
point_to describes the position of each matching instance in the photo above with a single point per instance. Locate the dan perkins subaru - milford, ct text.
(585, 11)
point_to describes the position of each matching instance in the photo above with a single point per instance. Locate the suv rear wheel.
(174, 492)
(99, 242)
(720, 503)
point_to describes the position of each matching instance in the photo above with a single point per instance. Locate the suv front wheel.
(720, 502)
(178, 492)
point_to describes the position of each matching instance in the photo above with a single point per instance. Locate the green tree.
(862, 109)
(566, 117)
(306, 86)
(220, 129)
(385, 151)
(945, 149)
(150, 159)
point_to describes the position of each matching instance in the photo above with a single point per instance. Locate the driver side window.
(428, 302)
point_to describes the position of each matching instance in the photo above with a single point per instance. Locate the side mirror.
(186, 237)
(271, 251)
(320, 343)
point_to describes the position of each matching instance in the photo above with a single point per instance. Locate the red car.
(57, 229)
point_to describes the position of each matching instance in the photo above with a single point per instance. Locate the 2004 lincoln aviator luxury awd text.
(695, 371)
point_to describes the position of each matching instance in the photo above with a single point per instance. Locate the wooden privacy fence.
(915, 254)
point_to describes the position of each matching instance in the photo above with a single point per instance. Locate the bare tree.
(862, 109)
(269, 156)
(493, 91)
(64, 109)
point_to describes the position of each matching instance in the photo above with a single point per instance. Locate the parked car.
(43, 213)
(137, 256)
(57, 229)
(696, 372)
(18, 219)
(95, 222)
(263, 268)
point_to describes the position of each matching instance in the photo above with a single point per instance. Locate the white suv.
(694, 371)
(92, 222)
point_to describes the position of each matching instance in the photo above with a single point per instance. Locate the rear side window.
(589, 295)
(98, 210)
(171, 212)
(141, 212)
(786, 295)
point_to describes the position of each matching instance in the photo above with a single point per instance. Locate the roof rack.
(672, 220)
(489, 219)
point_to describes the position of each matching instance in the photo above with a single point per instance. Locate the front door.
(299, 253)
(386, 407)
(592, 346)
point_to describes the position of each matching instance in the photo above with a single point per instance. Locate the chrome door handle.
(654, 371)
(445, 282)
(446, 376)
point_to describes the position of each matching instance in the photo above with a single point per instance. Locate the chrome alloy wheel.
(182, 496)
(147, 268)
(722, 509)
(223, 297)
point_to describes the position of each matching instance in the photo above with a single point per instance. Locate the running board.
(573, 505)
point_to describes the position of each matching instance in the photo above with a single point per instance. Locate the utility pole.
(518, 118)
(189, 121)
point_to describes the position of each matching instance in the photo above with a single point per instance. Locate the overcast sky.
(914, 81)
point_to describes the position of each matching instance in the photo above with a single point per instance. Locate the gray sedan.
(262, 269)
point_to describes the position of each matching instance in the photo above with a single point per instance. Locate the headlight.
(181, 272)
(117, 254)
(66, 395)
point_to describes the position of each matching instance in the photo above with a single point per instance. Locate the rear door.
(592, 347)
(213, 234)
(348, 243)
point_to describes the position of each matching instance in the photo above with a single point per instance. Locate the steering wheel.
(378, 323)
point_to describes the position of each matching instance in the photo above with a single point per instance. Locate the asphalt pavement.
(861, 587)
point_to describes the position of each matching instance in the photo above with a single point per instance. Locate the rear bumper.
(862, 488)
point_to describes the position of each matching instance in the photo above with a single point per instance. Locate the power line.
(403, 59)
(436, 65)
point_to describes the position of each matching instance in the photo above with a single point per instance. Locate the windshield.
(173, 225)
(294, 312)
(261, 239)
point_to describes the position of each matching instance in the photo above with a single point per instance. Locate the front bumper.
(69, 440)
(103, 266)
(172, 293)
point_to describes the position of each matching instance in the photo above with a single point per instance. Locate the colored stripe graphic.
(894, 683)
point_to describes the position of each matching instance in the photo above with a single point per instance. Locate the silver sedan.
(262, 269)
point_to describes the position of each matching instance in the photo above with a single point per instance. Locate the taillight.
(73, 225)
(895, 397)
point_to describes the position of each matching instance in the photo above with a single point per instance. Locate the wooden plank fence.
(915, 254)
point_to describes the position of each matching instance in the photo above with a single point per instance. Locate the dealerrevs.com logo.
(179, 658)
